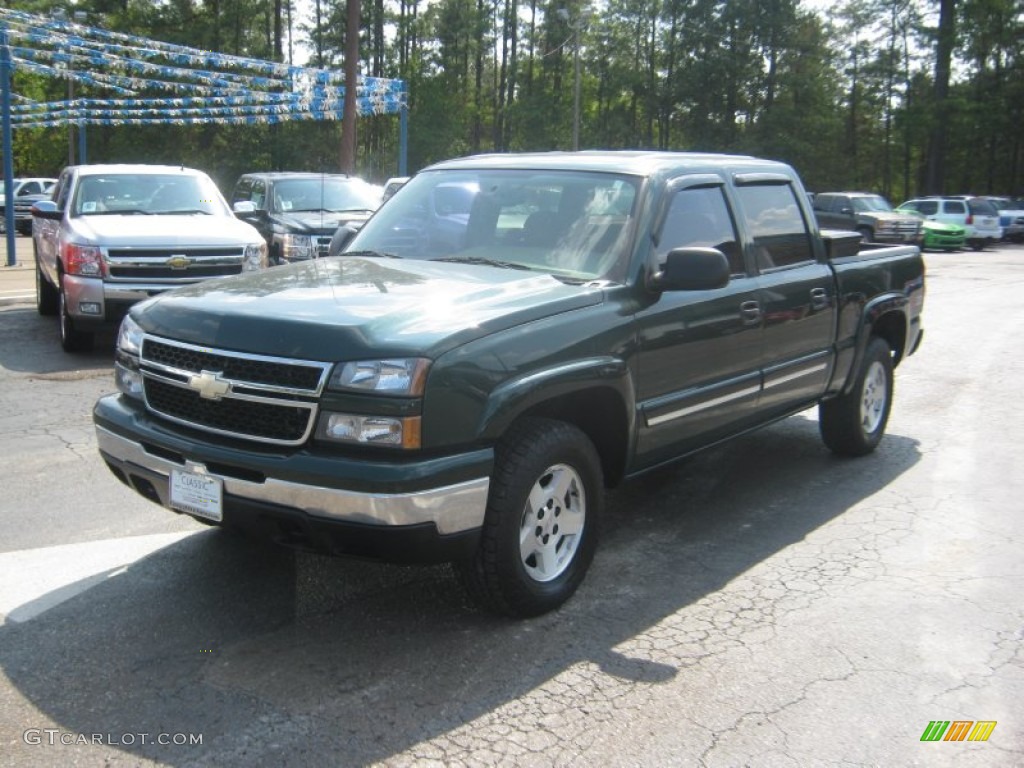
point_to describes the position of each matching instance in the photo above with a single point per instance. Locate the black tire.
(71, 340)
(47, 300)
(509, 574)
(853, 424)
(976, 245)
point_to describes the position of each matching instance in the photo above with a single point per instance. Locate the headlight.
(127, 376)
(403, 376)
(385, 431)
(295, 247)
(129, 337)
(255, 257)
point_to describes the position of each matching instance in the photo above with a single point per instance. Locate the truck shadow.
(271, 655)
(30, 343)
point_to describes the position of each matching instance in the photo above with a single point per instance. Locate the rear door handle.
(819, 298)
(750, 311)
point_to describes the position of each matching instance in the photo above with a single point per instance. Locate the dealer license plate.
(197, 494)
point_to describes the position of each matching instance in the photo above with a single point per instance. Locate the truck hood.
(352, 308)
(317, 223)
(162, 230)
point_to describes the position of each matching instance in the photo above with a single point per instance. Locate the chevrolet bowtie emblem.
(209, 385)
(178, 261)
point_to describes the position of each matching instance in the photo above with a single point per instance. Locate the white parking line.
(33, 581)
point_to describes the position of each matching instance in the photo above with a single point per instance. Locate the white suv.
(978, 216)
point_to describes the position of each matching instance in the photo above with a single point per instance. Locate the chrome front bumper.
(452, 509)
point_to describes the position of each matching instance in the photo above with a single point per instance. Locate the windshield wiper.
(181, 212)
(125, 212)
(371, 254)
(483, 261)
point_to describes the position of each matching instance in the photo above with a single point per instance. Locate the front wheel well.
(601, 415)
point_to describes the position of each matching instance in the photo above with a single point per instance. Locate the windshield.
(573, 225)
(147, 193)
(325, 194)
(871, 203)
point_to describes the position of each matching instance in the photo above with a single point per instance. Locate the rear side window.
(780, 234)
(982, 208)
(955, 206)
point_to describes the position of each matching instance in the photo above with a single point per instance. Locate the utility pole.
(348, 114)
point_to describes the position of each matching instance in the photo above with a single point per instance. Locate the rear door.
(698, 375)
(795, 293)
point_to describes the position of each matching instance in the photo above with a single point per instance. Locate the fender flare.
(522, 393)
(873, 311)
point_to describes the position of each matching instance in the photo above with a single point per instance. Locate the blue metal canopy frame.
(209, 87)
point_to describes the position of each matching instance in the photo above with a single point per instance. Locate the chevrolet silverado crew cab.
(469, 397)
(114, 234)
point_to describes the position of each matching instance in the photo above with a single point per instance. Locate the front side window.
(699, 217)
(573, 225)
(780, 234)
(928, 207)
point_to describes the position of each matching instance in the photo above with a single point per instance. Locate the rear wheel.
(866, 234)
(541, 525)
(71, 340)
(853, 424)
(976, 245)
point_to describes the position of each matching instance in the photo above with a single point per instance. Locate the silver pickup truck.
(113, 235)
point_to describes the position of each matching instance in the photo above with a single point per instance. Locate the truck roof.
(634, 162)
(134, 168)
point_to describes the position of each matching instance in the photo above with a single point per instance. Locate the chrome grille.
(174, 265)
(265, 399)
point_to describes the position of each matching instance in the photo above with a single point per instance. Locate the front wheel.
(47, 302)
(71, 340)
(541, 526)
(853, 424)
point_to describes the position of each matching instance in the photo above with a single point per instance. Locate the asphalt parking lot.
(761, 604)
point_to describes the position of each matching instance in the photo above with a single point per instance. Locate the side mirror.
(47, 209)
(692, 269)
(342, 237)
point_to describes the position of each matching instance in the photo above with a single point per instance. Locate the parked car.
(391, 186)
(871, 215)
(1011, 217)
(115, 234)
(939, 235)
(26, 191)
(601, 314)
(978, 216)
(297, 213)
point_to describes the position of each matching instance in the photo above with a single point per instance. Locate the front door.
(697, 374)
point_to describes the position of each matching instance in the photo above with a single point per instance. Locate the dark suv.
(298, 213)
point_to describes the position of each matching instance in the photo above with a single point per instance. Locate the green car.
(939, 235)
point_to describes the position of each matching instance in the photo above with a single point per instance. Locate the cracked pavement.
(761, 604)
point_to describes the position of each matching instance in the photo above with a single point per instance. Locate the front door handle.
(750, 311)
(819, 298)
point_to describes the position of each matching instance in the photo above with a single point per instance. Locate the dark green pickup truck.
(504, 339)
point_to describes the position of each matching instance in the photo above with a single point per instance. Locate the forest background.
(900, 97)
